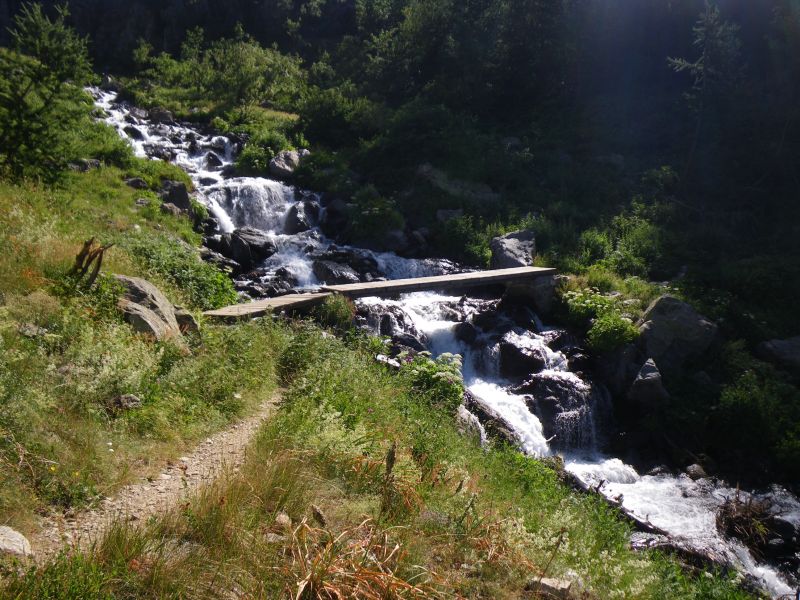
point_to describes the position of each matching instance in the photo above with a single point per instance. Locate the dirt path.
(138, 501)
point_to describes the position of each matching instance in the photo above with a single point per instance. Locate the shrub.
(336, 311)
(373, 216)
(595, 245)
(259, 150)
(438, 379)
(609, 331)
(586, 304)
(464, 239)
(204, 285)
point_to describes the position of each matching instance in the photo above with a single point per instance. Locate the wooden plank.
(457, 280)
(259, 308)
(380, 288)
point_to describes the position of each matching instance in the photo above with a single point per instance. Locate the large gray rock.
(334, 273)
(284, 164)
(520, 358)
(147, 309)
(783, 353)
(515, 249)
(13, 542)
(647, 390)
(161, 115)
(672, 333)
(248, 246)
(301, 217)
(175, 192)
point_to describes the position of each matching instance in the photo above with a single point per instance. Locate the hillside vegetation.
(362, 484)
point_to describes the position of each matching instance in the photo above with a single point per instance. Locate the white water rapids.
(676, 504)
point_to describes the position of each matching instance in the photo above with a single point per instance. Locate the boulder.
(696, 472)
(221, 262)
(783, 353)
(136, 183)
(248, 246)
(133, 132)
(176, 193)
(672, 332)
(83, 165)
(515, 249)
(13, 542)
(493, 422)
(170, 209)
(404, 340)
(161, 115)
(302, 216)
(465, 332)
(186, 321)
(548, 587)
(518, 358)
(361, 262)
(213, 161)
(284, 164)
(146, 308)
(333, 273)
(647, 390)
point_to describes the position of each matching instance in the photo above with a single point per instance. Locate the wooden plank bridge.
(381, 288)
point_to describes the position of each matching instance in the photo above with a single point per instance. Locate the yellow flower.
(52, 468)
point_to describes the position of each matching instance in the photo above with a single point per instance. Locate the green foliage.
(259, 150)
(232, 71)
(758, 421)
(609, 331)
(437, 379)
(332, 117)
(585, 305)
(204, 286)
(41, 100)
(336, 312)
(373, 216)
(465, 239)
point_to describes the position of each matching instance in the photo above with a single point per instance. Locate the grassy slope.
(56, 432)
(450, 520)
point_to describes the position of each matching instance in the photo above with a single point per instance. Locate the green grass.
(410, 508)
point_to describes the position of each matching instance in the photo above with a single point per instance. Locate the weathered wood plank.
(381, 288)
(457, 280)
(259, 308)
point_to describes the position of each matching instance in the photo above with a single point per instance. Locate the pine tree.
(41, 98)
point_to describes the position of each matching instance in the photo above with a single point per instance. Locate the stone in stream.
(248, 246)
(518, 358)
(302, 216)
(133, 132)
(671, 332)
(515, 249)
(13, 542)
(213, 161)
(333, 273)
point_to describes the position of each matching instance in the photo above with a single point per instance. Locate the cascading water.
(553, 410)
